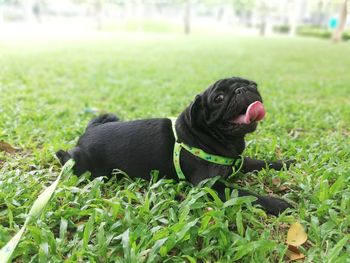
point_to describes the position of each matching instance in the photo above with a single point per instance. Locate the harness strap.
(236, 164)
(177, 165)
(176, 154)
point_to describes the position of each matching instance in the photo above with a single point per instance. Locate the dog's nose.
(240, 90)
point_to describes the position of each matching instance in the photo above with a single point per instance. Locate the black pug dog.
(215, 122)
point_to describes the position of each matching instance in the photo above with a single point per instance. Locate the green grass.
(49, 91)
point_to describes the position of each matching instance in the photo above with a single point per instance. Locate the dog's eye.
(219, 98)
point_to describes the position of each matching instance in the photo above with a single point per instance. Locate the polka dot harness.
(236, 164)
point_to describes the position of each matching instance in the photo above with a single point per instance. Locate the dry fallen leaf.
(293, 249)
(283, 188)
(346, 132)
(296, 235)
(6, 147)
(276, 181)
(278, 152)
(294, 256)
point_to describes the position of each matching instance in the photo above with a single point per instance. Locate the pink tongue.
(255, 112)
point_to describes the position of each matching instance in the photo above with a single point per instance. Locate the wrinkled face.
(230, 107)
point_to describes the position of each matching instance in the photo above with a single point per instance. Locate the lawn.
(49, 91)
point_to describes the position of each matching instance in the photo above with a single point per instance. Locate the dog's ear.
(195, 109)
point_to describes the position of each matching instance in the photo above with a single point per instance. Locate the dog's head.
(229, 108)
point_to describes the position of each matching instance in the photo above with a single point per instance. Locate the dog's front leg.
(251, 165)
(271, 205)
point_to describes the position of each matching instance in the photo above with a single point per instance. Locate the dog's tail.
(63, 156)
(81, 162)
(102, 119)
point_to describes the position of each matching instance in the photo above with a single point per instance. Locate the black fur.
(137, 147)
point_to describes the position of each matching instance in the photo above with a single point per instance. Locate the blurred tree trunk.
(187, 17)
(338, 32)
(221, 10)
(98, 14)
(296, 15)
(320, 13)
(1, 15)
(220, 13)
(140, 12)
(36, 9)
(264, 9)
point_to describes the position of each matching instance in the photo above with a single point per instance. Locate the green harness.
(236, 164)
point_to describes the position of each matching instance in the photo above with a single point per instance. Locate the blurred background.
(49, 18)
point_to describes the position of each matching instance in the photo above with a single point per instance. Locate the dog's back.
(135, 147)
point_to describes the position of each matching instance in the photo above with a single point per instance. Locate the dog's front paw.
(278, 165)
(274, 206)
(288, 163)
